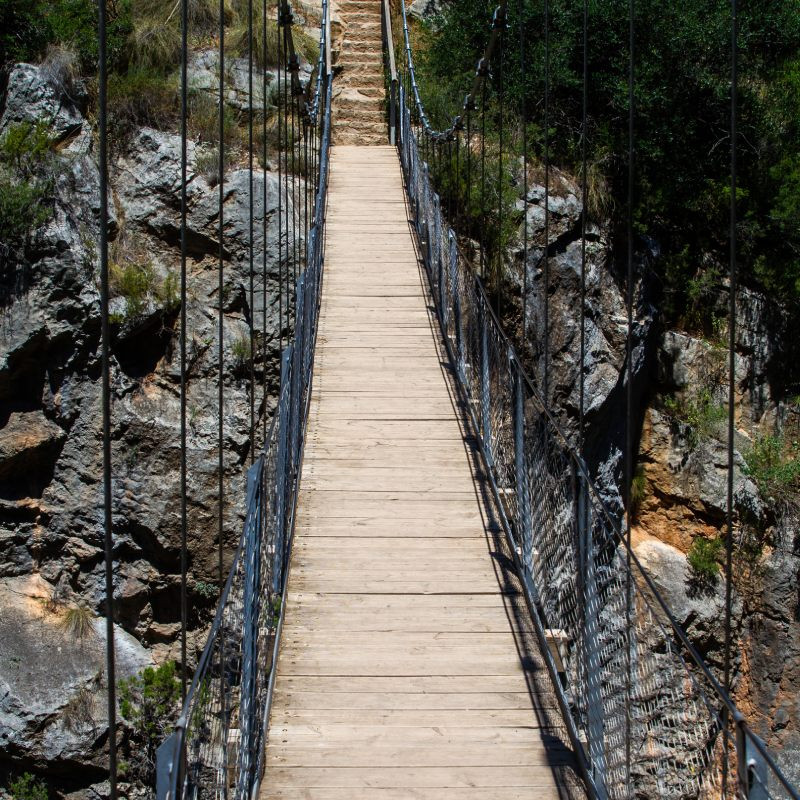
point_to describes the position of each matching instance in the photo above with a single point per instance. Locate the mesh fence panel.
(647, 715)
(217, 749)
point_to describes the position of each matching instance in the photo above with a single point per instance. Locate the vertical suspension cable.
(629, 399)
(280, 191)
(285, 187)
(221, 305)
(523, 114)
(106, 402)
(251, 228)
(483, 179)
(546, 337)
(470, 103)
(264, 296)
(184, 112)
(499, 269)
(732, 276)
(584, 213)
(295, 211)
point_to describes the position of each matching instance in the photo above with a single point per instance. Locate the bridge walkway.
(406, 669)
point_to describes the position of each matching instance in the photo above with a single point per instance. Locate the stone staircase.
(358, 107)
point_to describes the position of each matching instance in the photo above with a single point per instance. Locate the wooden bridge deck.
(403, 671)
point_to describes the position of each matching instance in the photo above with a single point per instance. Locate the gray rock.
(31, 97)
(52, 683)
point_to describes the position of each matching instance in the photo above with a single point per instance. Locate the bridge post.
(524, 528)
(486, 421)
(590, 634)
(280, 478)
(751, 768)
(251, 603)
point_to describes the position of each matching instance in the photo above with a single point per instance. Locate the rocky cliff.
(679, 491)
(52, 677)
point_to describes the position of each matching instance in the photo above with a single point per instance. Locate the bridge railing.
(217, 748)
(645, 714)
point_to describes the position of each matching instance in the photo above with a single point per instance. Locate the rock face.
(680, 488)
(51, 509)
(552, 298)
(53, 696)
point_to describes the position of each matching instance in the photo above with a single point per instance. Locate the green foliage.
(77, 620)
(703, 558)
(135, 282)
(774, 464)
(241, 350)
(26, 167)
(27, 27)
(208, 591)
(26, 787)
(699, 411)
(638, 491)
(682, 118)
(150, 704)
(143, 96)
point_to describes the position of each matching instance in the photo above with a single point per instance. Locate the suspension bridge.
(429, 598)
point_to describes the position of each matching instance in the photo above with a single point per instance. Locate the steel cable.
(184, 114)
(251, 241)
(111, 682)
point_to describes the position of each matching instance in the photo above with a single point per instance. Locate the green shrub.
(27, 165)
(241, 351)
(207, 591)
(141, 97)
(22, 210)
(703, 557)
(135, 282)
(150, 704)
(774, 465)
(699, 411)
(638, 491)
(26, 787)
(27, 27)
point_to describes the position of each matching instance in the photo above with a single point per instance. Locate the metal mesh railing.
(217, 749)
(646, 716)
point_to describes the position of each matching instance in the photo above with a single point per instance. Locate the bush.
(774, 465)
(682, 159)
(242, 351)
(135, 282)
(26, 787)
(141, 97)
(22, 210)
(78, 712)
(27, 27)
(703, 557)
(150, 704)
(26, 174)
(699, 411)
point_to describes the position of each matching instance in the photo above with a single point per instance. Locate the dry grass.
(77, 621)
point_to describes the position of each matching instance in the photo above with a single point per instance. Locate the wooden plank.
(403, 672)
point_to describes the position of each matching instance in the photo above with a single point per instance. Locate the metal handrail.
(752, 755)
(481, 74)
(229, 693)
